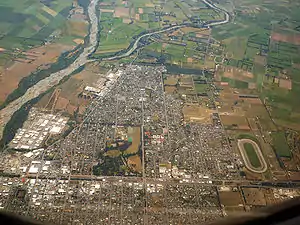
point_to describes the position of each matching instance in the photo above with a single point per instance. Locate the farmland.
(264, 40)
(69, 99)
(259, 79)
(42, 56)
(122, 21)
(34, 34)
(32, 23)
(172, 108)
(280, 144)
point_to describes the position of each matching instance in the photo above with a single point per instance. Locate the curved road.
(43, 85)
(263, 168)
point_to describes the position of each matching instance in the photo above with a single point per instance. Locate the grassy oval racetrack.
(253, 158)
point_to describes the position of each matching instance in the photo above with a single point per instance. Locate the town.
(140, 155)
(148, 112)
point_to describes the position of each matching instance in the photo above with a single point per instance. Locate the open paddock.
(235, 122)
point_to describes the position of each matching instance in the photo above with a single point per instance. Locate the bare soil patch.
(254, 196)
(107, 10)
(61, 103)
(286, 84)
(235, 122)
(230, 198)
(121, 12)
(294, 39)
(10, 77)
(261, 60)
(78, 41)
(237, 74)
(170, 89)
(135, 134)
(252, 85)
(134, 163)
(195, 113)
(171, 80)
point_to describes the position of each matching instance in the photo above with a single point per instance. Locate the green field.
(201, 88)
(280, 144)
(116, 35)
(285, 103)
(235, 83)
(31, 18)
(250, 151)
(262, 40)
(120, 27)
(28, 23)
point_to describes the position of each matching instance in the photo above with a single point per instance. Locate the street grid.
(184, 164)
(181, 171)
(60, 193)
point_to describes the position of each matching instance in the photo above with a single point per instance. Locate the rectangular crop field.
(280, 144)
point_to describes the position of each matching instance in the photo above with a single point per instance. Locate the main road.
(52, 80)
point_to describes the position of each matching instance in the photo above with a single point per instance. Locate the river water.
(54, 79)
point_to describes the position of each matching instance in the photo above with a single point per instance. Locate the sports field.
(252, 156)
(254, 160)
(280, 144)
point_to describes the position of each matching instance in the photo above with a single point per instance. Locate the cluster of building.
(185, 164)
(113, 201)
(37, 128)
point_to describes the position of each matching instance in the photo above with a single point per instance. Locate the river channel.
(54, 79)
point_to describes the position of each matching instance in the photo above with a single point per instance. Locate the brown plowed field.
(294, 39)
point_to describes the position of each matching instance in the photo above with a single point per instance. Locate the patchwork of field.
(68, 95)
(32, 23)
(122, 21)
(259, 81)
(186, 48)
(262, 54)
(33, 34)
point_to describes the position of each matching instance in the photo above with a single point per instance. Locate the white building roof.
(28, 154)
(33, 169)
(55, 130)
(92, 89)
